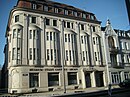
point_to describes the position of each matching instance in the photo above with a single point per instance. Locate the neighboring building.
(52, 46)
(117, 52)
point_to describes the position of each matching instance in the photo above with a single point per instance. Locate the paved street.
(122, 94)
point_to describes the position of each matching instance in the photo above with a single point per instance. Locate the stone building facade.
(52, 46)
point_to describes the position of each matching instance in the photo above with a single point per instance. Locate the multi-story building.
(52, 46)
(117, 53)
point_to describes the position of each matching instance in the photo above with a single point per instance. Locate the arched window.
(111, 42)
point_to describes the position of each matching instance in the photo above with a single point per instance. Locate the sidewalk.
(57, 93)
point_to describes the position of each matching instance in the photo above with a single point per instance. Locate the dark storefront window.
(34, 80)
(53, 79)
(72, 78)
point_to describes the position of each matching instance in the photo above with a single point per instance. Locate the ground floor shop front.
(30, 79)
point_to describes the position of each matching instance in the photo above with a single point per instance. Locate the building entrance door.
(88, 80)
(99, 79)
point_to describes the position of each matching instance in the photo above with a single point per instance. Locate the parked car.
(125, 83)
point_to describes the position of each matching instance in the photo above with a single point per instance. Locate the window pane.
(54, 22)
(33, 80)
(19, 33)
(14, 33)
(33, 19)
(53, 79)
(47, 21)
(30, 51)
(16, 18)
(72, 78)
(47, 54)
(47, 35)
(50, 35)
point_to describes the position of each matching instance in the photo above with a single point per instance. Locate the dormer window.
(45, 8)
(16, 18)
(56, 10)
(75, 14)
(66, 12)
(84, 15)
(92, 17)
(34, 6)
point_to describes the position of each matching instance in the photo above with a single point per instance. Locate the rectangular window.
(54, 22)
(38, 54)
(50, 35)
(14, 33)
(64, 24)
(92, 17)
(75, 14)
(34, 6)
(47, 21)
(68, 24)
(34, 53)
(84, 15)
(33, 80)
(82, 26)
(54, 54)
(54, 35)
(96, 56)
(19, 33)
(34, 34)
(65, 37)
(45, 8)
(18, 53)
(47, 35)
(68, 37)
(30, 34)
(86, 56)
(16, 18)
(93, 28)
(33, 20)
(51, 54)
(47, 54)
(53, 79)
(72, 25)
(30, 51)
(83, 56)
(72, 38)
(122, 44)
(126, 45)
(85, 39)
(56, 10)
(72, 78)
(94, 41)
(66, 55)
(66, 12)
(70, 54)
(82, 39)
(14, 54)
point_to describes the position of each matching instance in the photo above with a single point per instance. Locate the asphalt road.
(122, 94)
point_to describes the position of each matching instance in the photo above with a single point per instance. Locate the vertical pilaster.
(62, 53)
(43, 42)
(25, 40)
(79, 52)
(91, 49)
(93, 81)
